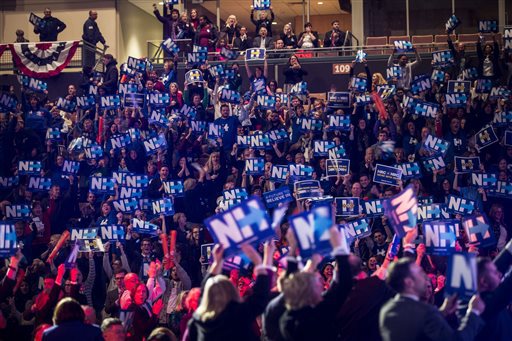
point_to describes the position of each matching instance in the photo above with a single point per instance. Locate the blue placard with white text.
(387, 175)
(461, 276)
(281, 195)
(311, 230)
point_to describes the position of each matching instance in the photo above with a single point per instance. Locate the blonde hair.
(218, 293)
(189, 184)
(300, 291)
(210, 167)
(177, 216)
(380, 79)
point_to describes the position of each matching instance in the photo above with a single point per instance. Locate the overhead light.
(161, 3)
(320, 3)
(274, 22)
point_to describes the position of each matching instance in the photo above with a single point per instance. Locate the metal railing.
(347, 53)
(7, 64)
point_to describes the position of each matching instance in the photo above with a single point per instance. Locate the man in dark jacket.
(50, 27)
(111, 75)
(335, 37)
(91, 36)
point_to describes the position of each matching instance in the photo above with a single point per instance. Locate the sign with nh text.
(461, 276)
(440, 236)
(402, 210)
(311, 230)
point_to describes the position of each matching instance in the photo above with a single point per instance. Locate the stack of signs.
(311, 230)
(387, 175)
(401, 211)
(347, 206)
(440, 236)
(307, 189)
(247, 222)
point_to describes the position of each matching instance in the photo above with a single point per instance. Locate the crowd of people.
(133, 289)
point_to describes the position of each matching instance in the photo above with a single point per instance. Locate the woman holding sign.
(222, 315)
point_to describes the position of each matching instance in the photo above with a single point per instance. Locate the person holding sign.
(49, 27)
(263, 21)
(222, 315)
(406, 67)
(488, 59)
(310, 315)
(405, 318)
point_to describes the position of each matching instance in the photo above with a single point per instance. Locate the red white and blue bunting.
(43, 60)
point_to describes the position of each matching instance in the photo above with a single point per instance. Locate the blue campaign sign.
(339, 122)
(261, 4)
(144, 227)
(247, 222)
(436, 145)
(53, 134)
(311, 230)
(438, 76)
(279, 196)
(174, 187)
(372, 208)
(428, 211)
(17, 212)
(254, 166)
(337, 152)
(387, 175)
(170, 46)
(363, 99)
(70, 167)
(358, 84)
(109, 102)
(215, 131)
(119, 177)
(484, 180)
(503, 189)
(278, 173)
(198, 126)
(111, 232)
(460, 205)
(153, 144)
(235, 193)
(126, 205)
(8, 102)
(433, 163)
(93, 152)
(8, 243)
(119, 141)
(299, 171)
(402, 211)
(459, 87)
(478, 230)
(452, 23)
(66, 105)
(158, 116)
(337, 167)
(321, 147)
(278, 135)
(440, 236)
(393, 72)
(300, 88)
(467, 164)
(347, 206)
(310, 124)
(488, 26)
(37, 184)
(357, 229)
(136, 181)
(101, 185)
(426, 109)
(29, 167)
(260, 141)
(502, 119)
(461, 276)
(255, 54)
(243, 141)
(410, 170)
(129, 192)
(162, 206)
(87, 233)
(136, 64)
(194, 76)
(7, 182)
(338, 99)
(485, 137)
(307, 189)
(206, 253)
(403, 46)
(442, 58)
(225, 205)
(456, 100)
